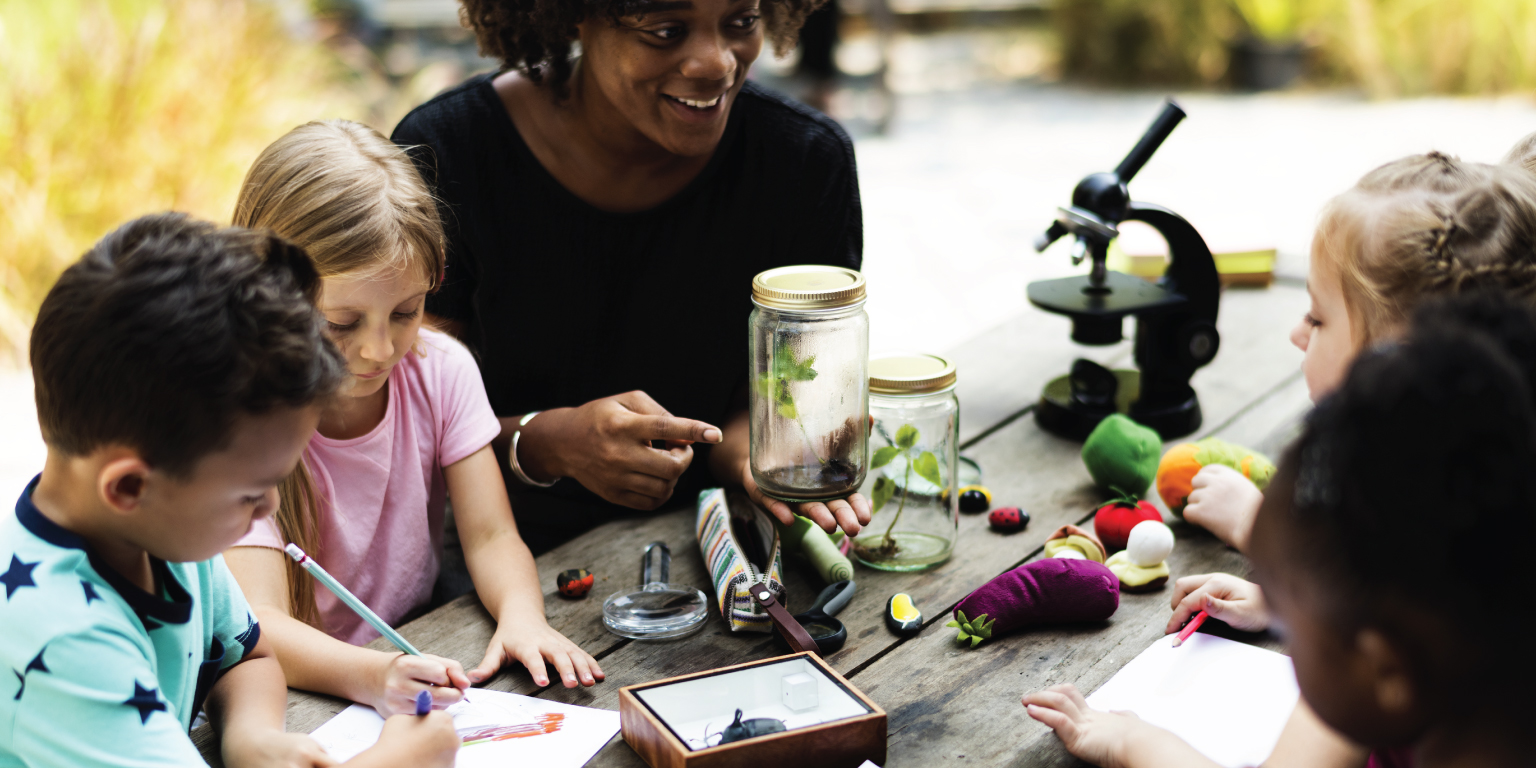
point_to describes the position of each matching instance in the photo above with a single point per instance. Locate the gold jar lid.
(910, 374)
(808, 287)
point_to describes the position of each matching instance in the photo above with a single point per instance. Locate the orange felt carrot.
(1176, 473)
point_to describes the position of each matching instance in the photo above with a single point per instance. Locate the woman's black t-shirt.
(564, 303)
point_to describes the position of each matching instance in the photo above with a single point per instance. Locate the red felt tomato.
(1114, 521)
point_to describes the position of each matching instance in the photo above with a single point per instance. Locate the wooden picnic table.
(945, 702)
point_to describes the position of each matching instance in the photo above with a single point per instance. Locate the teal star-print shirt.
(95, 671)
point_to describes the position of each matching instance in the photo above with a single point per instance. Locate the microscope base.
(1059, 414)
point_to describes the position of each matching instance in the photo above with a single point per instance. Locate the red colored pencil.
(1189, 629)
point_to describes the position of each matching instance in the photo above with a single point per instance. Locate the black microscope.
(1175, 317)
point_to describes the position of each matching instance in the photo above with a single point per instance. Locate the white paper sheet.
(1227, 699)
(498, 729)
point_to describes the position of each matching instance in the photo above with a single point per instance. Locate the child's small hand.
(1223, 596)
(532, 643)
(1224, 503)
(275, 749)
(1098, 737)
(408, 675)
(428, 741)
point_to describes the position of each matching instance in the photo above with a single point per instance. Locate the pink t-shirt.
(382, 494)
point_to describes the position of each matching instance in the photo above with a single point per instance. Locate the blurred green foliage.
(110, 109)
(1146, 42)
(1387, 47)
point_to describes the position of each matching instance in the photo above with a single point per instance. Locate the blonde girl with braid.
(411, 427)
(1423, 226)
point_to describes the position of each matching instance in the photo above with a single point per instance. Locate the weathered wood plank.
(1002, 371)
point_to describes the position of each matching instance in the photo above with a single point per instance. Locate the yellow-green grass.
(110, 109)
(1387, 47)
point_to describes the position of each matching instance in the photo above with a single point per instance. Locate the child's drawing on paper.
(498, 725)
(547, 723)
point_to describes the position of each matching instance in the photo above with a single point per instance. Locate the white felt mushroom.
(1150, 543)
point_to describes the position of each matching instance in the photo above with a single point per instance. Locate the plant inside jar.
(836, 473)
(924, 463)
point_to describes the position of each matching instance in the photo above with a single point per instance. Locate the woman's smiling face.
(673, 70)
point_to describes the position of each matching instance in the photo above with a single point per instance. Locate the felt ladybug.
(576, 582)
(975, 498)
(1008, 519)
(1113, 521)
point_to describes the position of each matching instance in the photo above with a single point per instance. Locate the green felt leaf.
(976, 640)
(927, 467)
(906, 437)
(883, 456)
(981, 627)
(952, 623)
(884, 489)
(961, 615)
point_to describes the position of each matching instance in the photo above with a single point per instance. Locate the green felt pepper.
(1122, 455)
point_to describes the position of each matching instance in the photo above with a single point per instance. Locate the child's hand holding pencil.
(1237, 602)
(405, 674)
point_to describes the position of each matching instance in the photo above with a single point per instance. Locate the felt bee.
(975, 498)
(576, 582)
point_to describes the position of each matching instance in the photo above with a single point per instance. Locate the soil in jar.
(837, 476)
(817, 482)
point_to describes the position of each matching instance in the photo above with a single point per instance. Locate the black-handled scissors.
(829, 633)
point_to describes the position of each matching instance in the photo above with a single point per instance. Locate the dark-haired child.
(178, 369)
(1407, 634)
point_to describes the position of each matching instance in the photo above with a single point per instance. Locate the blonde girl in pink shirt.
(412, 428)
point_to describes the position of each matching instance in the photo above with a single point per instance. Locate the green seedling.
(784, 368)
(924, 463)
(972, 630)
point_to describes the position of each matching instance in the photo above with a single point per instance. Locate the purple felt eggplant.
(1051, 591)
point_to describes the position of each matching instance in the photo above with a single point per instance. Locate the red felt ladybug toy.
(1114, 521)
(1008, 519)
(576, 582)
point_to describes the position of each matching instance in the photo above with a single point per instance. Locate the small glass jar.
(913, 470)
(810, 383)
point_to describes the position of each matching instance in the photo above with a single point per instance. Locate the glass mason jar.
(810, 383)
(913, 472)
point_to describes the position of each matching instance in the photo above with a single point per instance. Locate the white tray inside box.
(698, 710)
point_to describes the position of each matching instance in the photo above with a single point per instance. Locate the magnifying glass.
(828, 632)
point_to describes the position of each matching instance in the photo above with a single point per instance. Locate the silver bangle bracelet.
(517, 470)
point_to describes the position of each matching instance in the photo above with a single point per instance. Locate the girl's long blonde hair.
(1429, 225)
(354, 201)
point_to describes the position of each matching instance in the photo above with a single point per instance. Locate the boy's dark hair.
(1412, 495)
(168, 330)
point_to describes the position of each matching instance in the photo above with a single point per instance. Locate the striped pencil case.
(741, 549)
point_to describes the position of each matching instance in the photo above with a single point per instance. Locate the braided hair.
(1429, 225)
(535, 36)
(1410, 496)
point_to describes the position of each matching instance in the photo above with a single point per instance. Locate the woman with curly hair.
(609, 195)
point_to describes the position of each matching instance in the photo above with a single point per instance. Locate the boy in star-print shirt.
(178, 368)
